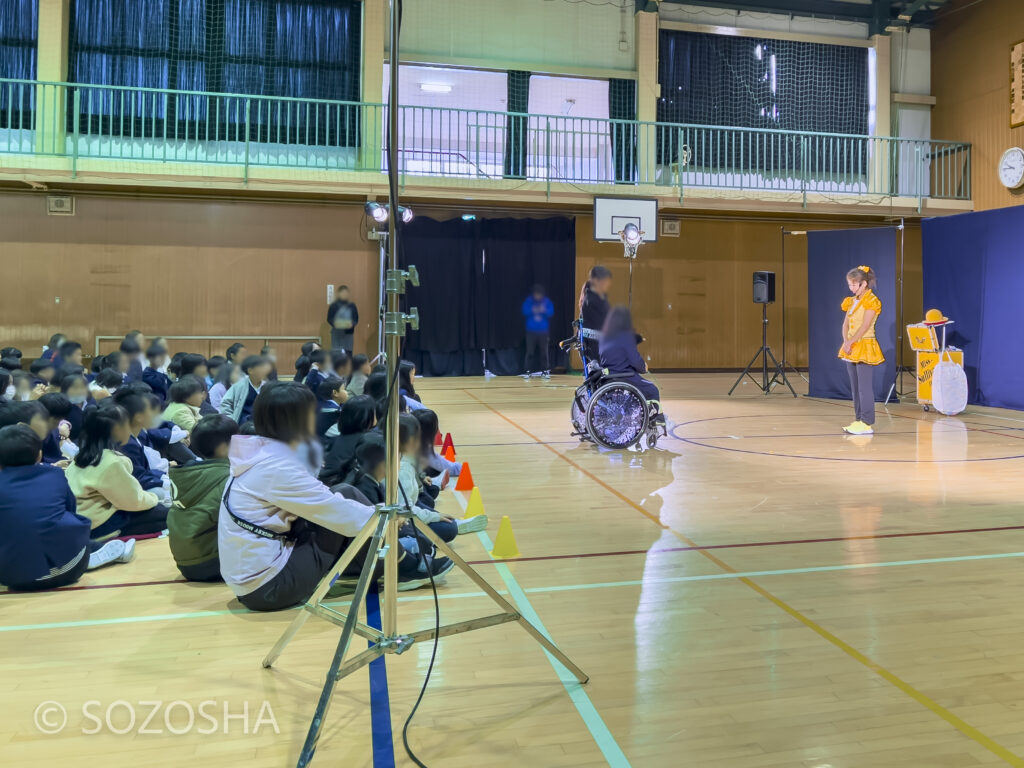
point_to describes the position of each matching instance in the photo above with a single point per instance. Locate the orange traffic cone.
(447, 444)
(449, 453)
(438, 442)
(505, 546)
(465, 482)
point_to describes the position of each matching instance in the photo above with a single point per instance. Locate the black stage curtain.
(622, 106)
(518, 254)
(474, 278)
(516, 125)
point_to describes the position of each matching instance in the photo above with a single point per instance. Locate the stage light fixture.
(377, 212)
(406, 214)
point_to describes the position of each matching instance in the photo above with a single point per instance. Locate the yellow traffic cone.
(476, 504)
(505, 546)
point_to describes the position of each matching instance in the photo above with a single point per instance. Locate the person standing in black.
(594, 309)
(343, 317)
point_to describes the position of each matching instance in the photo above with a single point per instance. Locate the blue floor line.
(380, 703)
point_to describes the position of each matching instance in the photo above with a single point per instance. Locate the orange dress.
(866, 350)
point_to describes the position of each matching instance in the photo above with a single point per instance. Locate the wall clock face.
(1011, 168)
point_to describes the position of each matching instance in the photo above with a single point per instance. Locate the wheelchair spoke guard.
(617, 415)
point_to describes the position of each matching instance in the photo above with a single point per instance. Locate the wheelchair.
(608, 411)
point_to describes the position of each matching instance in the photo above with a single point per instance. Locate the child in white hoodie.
(281, 530)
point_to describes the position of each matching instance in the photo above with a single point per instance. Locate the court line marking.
(952, 719)
(537, 590)
(610, 749)
(581, 555)
(380, 703)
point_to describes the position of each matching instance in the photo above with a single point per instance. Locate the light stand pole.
(897, 384)
(784, 364)
(380, 533)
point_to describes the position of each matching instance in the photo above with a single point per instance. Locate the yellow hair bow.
(864, 269)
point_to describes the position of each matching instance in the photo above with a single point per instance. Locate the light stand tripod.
(765, 353)
(381, 532)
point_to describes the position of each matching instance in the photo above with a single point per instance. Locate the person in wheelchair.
(594, 310)
(622, 360)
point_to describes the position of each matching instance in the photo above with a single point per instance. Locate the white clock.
(1011, 168)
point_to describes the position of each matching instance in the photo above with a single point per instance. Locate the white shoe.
(472, 524)
(129, 552)
(111, 552)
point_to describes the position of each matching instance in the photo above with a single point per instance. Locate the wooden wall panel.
(179, 267)
(199, 267)
(971, 81)
(692, 295)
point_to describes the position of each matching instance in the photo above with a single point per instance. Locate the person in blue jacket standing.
(537, 309)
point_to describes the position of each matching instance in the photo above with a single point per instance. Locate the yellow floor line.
(961, 725)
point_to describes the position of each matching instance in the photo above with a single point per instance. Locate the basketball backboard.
(612, 214)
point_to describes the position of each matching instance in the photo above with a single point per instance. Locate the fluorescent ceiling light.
(435, 87)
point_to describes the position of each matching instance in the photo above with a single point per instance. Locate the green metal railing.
(79, 121)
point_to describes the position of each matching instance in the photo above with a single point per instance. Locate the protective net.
(764, 84)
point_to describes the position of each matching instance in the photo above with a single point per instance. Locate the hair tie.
(864, 269)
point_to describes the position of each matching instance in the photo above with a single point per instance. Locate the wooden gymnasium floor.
(763, 592)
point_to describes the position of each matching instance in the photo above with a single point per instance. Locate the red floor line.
(580, 555)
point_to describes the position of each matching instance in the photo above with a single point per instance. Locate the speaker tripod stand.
(765, 353)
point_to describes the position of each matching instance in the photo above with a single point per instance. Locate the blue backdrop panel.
(973, 273)
(830, 255)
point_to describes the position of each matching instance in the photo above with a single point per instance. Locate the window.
(19, 26)
(298, 49)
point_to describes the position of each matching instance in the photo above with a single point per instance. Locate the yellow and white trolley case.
(941, 381)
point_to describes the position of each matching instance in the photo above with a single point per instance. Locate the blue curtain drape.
(474, 277)
(973, 273)
(19, 31)
(303, 49)
(830, 255)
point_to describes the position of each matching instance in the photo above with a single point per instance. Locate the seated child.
(319, 364)
(154, 374)
(369, 469)
(43, 370)
(357, 418)
(447, 528)
(76, 390)
(197, 488)
(213, 366)
(432, 462)
(105, 385)
(101, 479)
(619, 353)
(227, 375)
(187, 397)
(330, 395)
(239, 400)
(360, 372)
(342, 364)
(44, 543)
(57, 445)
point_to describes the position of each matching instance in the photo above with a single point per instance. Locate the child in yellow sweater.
(101, 479)
(860, 348)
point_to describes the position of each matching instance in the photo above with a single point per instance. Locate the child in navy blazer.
(319, 362)
(43, 543)
(158, 381)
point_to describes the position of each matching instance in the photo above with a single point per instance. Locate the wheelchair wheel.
(617, 415)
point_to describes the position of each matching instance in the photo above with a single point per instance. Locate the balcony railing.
(100, 122)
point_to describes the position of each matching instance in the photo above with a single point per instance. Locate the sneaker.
(850, 426)
(472, 524)
(129, 552)
(110, 552)
(439, 565)
(859, 428)
(546, 375)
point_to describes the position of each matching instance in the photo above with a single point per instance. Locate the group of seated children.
(257, 481)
